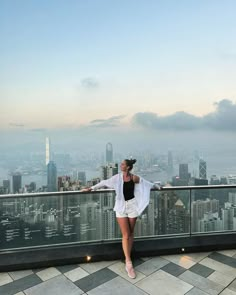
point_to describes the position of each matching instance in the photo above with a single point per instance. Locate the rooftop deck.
(193, 274)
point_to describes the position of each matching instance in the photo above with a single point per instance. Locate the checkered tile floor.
(193, 274)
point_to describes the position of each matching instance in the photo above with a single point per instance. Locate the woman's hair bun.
(133, 161)
(130, 163)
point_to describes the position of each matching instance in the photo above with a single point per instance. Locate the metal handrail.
(164, 188)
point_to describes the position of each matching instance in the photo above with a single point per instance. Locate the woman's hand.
(87, 189)
(157, 186)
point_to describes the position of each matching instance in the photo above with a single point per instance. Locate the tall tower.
(48, 150)
(183, 171)
(109, 153)
(16, 182)
(52, 177)
(202, 169)
(195, 164)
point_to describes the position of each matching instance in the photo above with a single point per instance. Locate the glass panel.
(213, 210)
(62, 218)
(168, 213)
(76, 218)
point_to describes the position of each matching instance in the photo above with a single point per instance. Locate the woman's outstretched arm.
(107, 182)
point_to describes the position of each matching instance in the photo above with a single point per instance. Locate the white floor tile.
(16, 275)
(230, 253)
(152, 265)
(59, 285)
(181, 260)
(5, 278)
(76, 274)
(163, 283)
(221, 278)
(196, 257)
(48, 273)
(119, 268)
(117, 286)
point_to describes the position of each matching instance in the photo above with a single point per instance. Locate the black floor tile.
(95, 279)
(137, 262)
(66, 268)
(201, 270)
(20, 285)
(231, 261)
(173, 269)
(35, 270)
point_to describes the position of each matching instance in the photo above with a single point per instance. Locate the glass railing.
(45, 219)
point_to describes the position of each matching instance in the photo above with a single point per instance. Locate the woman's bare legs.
(132, 222)
(127, 230)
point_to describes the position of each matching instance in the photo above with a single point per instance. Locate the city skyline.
(181, 170)
(156, 65)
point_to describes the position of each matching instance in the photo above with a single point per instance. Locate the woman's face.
(123, 166)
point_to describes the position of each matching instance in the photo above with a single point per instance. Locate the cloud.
(19, 125)
(110, 122)
(179, 121)
(89, 83)
(223, 118)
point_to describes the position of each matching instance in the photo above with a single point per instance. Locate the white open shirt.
(141, 192)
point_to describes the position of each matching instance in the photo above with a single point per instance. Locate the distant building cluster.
(59, 218)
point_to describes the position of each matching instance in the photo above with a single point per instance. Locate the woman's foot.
(130, 270)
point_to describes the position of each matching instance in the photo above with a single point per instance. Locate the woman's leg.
(132, 222)
(125, 231)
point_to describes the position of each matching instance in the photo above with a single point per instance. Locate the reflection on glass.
(65, 218)
(68, 218)
(213, 210)
(172, 212)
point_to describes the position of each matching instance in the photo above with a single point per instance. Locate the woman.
(132, 197)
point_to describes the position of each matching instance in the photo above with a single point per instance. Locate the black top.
(128, 190)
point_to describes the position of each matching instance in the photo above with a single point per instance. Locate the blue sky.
(64, 64)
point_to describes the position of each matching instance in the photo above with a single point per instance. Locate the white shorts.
(130, 209)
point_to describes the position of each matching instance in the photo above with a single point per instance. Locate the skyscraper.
(232, 198)
(183, 171)
(195, 164)
(109, 170)
(6, 186)
(227, 217)
(16, 182)
(178, 219)
(199, 208)
(202, 169)
(52, 176)
(81, 176)
(184, 175)
(48, 150)
(109, 153)
(170, 169)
